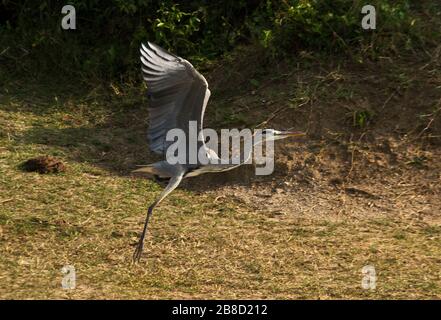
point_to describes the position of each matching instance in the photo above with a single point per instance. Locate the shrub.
(108, 35)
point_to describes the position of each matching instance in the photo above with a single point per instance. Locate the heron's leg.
(172, 184)
(140, 245)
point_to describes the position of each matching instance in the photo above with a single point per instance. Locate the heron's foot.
(138, 251)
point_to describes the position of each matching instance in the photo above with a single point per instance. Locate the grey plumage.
(178, 94)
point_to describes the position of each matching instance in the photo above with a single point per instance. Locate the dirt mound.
(44, 164)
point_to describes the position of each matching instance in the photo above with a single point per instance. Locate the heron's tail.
(149, 170)
(154, 170)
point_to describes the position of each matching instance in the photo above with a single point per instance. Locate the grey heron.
(178, 94)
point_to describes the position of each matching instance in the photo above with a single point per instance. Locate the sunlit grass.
(199, 245)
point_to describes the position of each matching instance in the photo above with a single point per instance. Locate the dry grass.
(307, 233)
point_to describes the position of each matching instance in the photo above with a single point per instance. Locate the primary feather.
(178, 93)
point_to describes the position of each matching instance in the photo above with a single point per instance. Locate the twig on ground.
(7, 200)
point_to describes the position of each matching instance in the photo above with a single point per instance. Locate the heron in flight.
(178, 94)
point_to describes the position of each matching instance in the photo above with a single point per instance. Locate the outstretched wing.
(177, 93)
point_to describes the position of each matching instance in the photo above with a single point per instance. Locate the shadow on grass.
(110, 135)
(119, 150)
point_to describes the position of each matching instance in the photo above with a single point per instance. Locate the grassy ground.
(363, 189)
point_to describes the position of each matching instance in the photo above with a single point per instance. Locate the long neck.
(250, 153)
(244, 160)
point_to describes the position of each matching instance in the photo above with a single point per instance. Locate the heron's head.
(271, 134)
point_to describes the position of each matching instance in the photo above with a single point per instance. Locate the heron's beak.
(293, 134)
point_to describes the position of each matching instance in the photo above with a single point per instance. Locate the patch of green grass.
(432, 230)
(360, 118)
(417, 161)
(399, 235)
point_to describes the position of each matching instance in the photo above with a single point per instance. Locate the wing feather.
(177, 93)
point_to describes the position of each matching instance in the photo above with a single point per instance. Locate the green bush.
(335, 26)
(108, 35)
